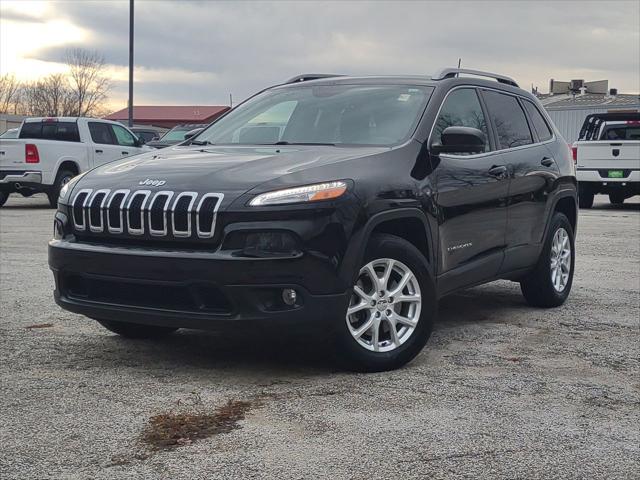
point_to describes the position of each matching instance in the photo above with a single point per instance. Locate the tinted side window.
(539, 123)
(31, 130)
(461, 108)
(123, 136)
(66, 132)
(509, 119)
(101, 133)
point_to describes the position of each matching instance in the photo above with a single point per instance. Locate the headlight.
(308, 193)
(64, 191)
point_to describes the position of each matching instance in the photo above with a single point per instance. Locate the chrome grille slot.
(135, 211)
(114, 211)
(79, 204)
(144, 213)
(158, 213)
(96, 205)
(206, 214)
(181, 214)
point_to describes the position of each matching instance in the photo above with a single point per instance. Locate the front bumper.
(190, 289)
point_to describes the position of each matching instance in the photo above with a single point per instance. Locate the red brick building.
(169, 116)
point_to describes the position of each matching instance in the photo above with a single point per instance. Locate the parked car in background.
(51, 151)
(148, 134)
(607, 156)
(11, 133)
(175, 135)
(374, 198)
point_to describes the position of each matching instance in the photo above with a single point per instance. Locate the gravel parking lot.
(501, 391)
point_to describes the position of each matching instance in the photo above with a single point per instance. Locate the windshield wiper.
(284, 142)
(201, 142)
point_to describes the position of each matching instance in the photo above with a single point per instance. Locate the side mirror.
(460, 140)
(140, 141)
(189, 135)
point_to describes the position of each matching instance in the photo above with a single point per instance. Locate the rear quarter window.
(539, 124)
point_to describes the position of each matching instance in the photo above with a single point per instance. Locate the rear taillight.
(31, 153)
(574, 153)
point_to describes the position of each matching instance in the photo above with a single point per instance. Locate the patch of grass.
(170, 430)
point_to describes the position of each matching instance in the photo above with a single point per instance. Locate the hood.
(229, 170)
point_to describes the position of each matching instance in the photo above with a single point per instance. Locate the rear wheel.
(3, 198)
(549, 284)
(585, 196)
(62, 179)
(135, 330)
(392, 308)
(616, 198)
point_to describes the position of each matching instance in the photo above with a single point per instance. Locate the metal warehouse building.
(568, 103)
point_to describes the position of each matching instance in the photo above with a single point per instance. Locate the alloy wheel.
(385, 306)
(560, 260)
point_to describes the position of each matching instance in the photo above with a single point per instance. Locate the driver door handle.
(498, 171)
(124, 153)
(98, 151)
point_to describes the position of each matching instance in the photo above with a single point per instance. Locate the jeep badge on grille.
(152, 183)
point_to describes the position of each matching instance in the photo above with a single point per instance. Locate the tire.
(616, 198)
(585, 197)
(3, 198)
(135, 330)
(408, 341)
(61, 179)
(538, 287)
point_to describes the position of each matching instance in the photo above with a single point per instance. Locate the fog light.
(289, 296)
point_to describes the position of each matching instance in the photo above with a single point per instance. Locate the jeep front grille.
(187, 215)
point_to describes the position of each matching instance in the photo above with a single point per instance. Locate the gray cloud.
(241, 47)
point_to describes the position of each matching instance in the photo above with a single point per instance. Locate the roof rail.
(455, 72)
(305, 77)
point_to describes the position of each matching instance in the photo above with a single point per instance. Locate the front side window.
(323, 114)
(509, 120)
(539, 123)
(123, 136)
(461, 108)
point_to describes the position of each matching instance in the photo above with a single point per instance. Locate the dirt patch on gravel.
(170, 430)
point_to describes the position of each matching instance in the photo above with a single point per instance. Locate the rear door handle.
(498, 171)
(124, 153)
(546, 161)
(98, 151)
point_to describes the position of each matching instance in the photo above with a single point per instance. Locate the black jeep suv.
(348, 204)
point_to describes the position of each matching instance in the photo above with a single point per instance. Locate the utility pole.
(131, 63)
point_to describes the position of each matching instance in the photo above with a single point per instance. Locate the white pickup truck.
(607, 156)
(51, 151)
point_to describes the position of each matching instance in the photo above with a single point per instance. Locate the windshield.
(323, 114)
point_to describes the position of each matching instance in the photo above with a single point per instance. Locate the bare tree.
(88, 80)
(51, 96)
(9, 93)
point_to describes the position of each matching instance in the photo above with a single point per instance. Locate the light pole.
(131, 63)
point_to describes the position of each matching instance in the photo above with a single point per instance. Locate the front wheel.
(549, 284)
(135, 330)
(392, 308)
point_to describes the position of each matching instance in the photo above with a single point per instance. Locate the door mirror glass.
(460, 140)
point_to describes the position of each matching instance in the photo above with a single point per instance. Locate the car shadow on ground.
(625, 207)
(270, 352)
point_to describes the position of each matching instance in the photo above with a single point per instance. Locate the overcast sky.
(197, 52)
